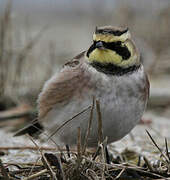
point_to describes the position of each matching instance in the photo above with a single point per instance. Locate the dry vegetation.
(99, 165)
(83, 164)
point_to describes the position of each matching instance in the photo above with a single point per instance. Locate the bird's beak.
(100, 45)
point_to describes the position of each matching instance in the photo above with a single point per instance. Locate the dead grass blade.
(68, 150)
(36, 175)
(4, 171)
(166, 159)
(79, 144)
(103, 161)
(107, 155)
(100, 129)
(88, 127)
(44, 160)
(32, 168)
(148, 164)
(167, 151)
(119, 175)
(96, 153)
(92, 174)
(48, 167)
(66, 122)
(34, 148)
(61, 168)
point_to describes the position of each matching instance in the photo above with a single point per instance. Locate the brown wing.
(61, 87)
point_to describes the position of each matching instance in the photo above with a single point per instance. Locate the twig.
(140, 170)
(96, 153)
(107, 155)
(79, 144)
(61, 168)
(92, 174)
(157, 147)
(32, 168)
(66, 122)
(44, 160)
(121, 172)
(68, 150)
(36, 175)
(47, 165)
(4, 171)
(27, 148)
(139, 161)
(100, 130)
(148, 164)
(89, 127)
(103, 160)
(167, 151)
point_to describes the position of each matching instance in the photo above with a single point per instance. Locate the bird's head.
(113, 46)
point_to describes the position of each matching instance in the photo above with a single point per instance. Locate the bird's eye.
(94, 42)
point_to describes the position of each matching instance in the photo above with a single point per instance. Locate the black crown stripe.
(110, 31)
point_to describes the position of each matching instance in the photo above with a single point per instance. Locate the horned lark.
(111, 71)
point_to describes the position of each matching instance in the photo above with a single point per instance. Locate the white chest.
(121, 102)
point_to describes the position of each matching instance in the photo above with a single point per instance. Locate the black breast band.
(109, 68)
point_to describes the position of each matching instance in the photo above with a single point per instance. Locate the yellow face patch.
(105, 56)
(110, 56)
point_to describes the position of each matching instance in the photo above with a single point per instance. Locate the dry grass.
(83, 164)
(87, 166)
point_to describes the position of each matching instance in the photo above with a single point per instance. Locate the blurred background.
(38, 37)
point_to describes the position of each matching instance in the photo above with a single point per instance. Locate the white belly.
(122, 106)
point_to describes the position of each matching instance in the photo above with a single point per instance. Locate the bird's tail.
(33, 129)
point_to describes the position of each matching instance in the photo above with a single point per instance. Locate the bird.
(109, 71)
